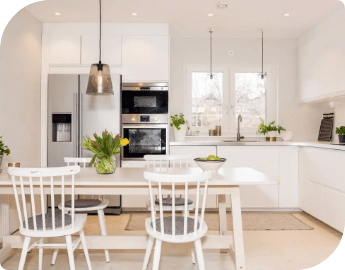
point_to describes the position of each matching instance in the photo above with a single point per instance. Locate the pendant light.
(100, 78)
(262, 74)
(211, 74)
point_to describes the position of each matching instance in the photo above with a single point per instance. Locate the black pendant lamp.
(262, 74)
(100, 78)
(211, 74)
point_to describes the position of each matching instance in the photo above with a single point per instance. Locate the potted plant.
(341, 132)
(104, 148)
(4, 150)
(271, 130)
(179, 125)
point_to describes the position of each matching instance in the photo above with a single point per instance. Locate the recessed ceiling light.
(134, 14)
(57, 13)
(210, 15)
(222, 5)
(287, 14)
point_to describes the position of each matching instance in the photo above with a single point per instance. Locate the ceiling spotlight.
(134, 14)
(57, 13)
(222, 5)
(287, 14)
(210, 15)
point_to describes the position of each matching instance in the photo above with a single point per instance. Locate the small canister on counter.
(218, 131)
(16, 164)
(212, 132)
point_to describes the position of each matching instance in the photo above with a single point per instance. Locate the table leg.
(237, 227)
(222, 217)
(5, 226)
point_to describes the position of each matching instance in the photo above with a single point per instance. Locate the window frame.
(188, 94)
(271, 98)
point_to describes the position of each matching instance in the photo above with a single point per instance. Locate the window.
(207, 100)
(250, 99)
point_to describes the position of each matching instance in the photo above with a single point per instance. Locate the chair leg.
(40, 255)
(193, 255)
(157, 255)
(150, 242)
(103, 231)
(199, 254)
(24, 252)
(56, 251)
(70, 252)
(86, 252)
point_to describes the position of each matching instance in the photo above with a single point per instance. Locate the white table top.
(134, 177)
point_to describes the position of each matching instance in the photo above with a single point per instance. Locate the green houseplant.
(4, 150)
(179, 125)
(341, 132)
(104, 149)
(270, 130)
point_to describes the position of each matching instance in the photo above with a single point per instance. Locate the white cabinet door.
(64, 49)
(263, 159)
(195, 152)
(111, 50)
(334, 209)
(288, 177)
(145, 58)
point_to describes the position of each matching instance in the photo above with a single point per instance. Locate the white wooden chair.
(96, 203)
(46, 225)
(175, 229)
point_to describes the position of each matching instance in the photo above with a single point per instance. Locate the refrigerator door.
(62, 100)
(99, 113)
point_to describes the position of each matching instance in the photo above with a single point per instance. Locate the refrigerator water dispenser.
(62, 127)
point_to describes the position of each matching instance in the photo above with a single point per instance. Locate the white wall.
(279, 53)
(20, 73)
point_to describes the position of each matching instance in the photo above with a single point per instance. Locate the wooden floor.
(265, 250)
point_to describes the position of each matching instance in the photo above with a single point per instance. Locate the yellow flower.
(124, 142)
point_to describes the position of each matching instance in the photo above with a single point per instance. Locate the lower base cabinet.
(322, 185)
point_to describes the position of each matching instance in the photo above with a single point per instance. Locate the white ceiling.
(242, 18)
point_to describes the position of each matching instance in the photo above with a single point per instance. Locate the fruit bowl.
(210, 165)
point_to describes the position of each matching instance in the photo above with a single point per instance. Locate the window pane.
(250, 98)
(207, 97)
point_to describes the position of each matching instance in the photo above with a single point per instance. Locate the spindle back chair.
(29, 184)
(176, 228)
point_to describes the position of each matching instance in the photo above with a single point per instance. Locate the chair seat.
(83, 203)
(48, 221)
(178, 201)
(79, 223)
(179, 225)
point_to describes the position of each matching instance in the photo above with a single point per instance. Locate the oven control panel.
(144, 119)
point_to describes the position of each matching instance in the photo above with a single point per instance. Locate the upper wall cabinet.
(321, 57)
(145, 58)
(64, 49)
(111, 50)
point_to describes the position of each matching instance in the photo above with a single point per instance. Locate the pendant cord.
(100, 30)
(262, 54)
(211, 75)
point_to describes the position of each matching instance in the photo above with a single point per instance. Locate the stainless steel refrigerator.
(72, 114)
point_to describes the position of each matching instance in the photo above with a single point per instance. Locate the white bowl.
(210, 165)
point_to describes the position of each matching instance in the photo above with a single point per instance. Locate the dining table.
(130, 181)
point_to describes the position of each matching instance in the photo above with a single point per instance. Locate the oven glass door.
(144, 141)
(144, 102)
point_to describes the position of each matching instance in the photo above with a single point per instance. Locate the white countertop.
(326, 145)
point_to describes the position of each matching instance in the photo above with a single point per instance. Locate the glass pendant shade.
(100, 80)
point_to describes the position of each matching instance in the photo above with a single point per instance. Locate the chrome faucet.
(239, 120)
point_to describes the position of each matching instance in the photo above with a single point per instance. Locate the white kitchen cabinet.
(322, 185)
(64, 50)
(145, 58)
(263, 159)
(111, 50)
(195, 152)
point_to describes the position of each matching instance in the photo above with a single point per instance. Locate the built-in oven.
(144, 139)
(144, 98)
